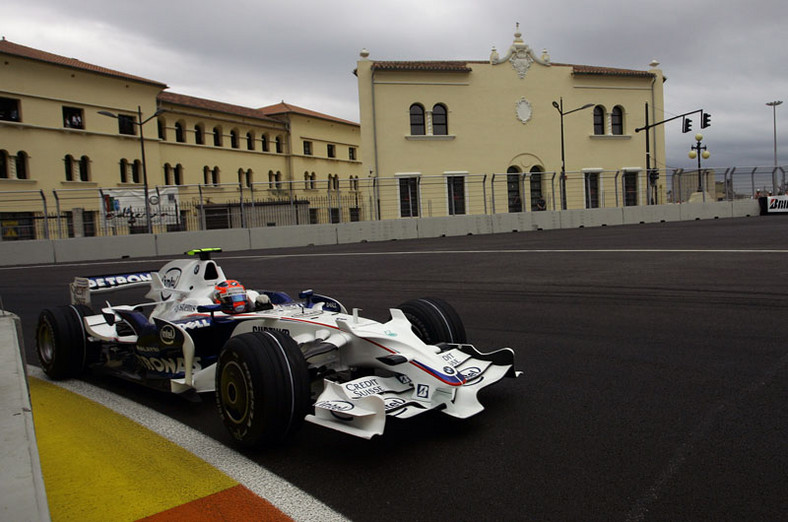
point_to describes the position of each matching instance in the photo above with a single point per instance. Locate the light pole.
(695, 152)
(773, 105)
(559, 106)
(140, 122)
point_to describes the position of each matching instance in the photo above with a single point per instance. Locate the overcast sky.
(728, 57)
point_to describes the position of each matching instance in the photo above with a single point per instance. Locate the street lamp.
(773, 105)
(559, 106)
(695, 152)
(140, 122)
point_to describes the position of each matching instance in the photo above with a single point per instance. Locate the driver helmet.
(232, 296)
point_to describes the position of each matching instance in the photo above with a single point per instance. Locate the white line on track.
(139, 261)
(291, 500)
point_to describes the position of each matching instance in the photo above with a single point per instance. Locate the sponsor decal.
(335, 405)
(364, 388)
(448, 370)
(167, 335)
(449, 357)
(777, 204)
(199, 323)
(96, 283)
(167, 366)
(422, 391)
(390, 333)
(171, 277)
(271, 329)
(148, 349)
(393, 403)
(404, 379)
(472, 373)
(186, 308)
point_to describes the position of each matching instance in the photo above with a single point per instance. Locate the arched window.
(84, 168)
(124, 169)
(167, 174)
(234, 139)
(136, 169)
(440, 120)
(215, 176)
(21, 165)
(206, 175)
(514, 189)
(617, 121)
(278, 144)
(180, 135)
(599, 120)
(249, 177)
(161, 125)
(264, 139)
(217, 136)
(417, 126)
(3, 164)
(199, 135)
(306, 180)
(249, 140)
(537, 198)
(68, 162)
(178, 174)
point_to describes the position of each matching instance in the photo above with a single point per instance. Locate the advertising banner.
(127, 207)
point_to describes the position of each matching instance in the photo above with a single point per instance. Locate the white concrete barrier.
(22, 491)
(176, 243)
(238, 239)
(104, 247)
(26, 252)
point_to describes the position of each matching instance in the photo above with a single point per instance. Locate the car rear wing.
(82, 287)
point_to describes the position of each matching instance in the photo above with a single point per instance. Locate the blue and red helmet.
(232, 296)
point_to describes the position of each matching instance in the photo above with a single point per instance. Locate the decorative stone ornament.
(523, 110)
(520, 55)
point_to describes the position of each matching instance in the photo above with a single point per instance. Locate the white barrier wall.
(235, 239)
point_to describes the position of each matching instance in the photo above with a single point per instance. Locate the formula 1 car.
(272, 361)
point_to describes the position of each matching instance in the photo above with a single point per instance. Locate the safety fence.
(80, 212)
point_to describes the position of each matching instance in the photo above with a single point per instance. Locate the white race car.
(271, 360)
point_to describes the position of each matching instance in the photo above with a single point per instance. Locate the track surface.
(655, 386)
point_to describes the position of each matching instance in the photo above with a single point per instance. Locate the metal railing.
(77, 212)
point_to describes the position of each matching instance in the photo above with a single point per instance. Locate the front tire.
(62, 346)
(262, 387)
(434, 320)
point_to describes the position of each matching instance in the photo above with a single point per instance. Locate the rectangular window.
(630, 189)
(331, 151)
(592, 189)
(307, 148)
(9, 109)
(351, 153)
(409, 197)
(126, 125)
(456, 191)
(72, 118)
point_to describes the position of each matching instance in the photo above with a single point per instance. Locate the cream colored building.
(209, 164)
(455, 137)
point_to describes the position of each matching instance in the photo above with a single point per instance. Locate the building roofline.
(21, 51)
(464, 66)
(212, 105)
(288, 108)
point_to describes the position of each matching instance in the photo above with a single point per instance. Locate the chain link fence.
(80, 212)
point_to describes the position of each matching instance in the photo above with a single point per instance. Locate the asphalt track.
(655, 385)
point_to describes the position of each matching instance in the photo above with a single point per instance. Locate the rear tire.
(434, 320)
(262, 387)
(62, 346)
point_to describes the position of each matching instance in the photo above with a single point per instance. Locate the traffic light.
(687, 125)
(705, 120)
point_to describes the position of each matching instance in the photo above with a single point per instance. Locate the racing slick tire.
(262, 387)
(62, 346)
(434, 320)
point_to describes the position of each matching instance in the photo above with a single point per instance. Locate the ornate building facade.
(517, 131)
